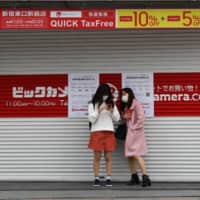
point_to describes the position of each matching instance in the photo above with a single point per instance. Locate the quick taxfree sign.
(82, 19)
(157, 18)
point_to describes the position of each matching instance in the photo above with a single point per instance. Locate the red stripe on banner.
(126, 18)
(173, 18)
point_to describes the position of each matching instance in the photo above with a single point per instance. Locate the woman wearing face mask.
(135, 143)
(101, 113)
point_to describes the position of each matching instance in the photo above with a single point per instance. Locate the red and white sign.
(82, 87)
(177, 94)
(24, 19)
(115, 83)
(97, 19)
(57, 19)
(33, 96)
(82, 19)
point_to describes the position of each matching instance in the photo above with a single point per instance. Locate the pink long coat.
(135, 144)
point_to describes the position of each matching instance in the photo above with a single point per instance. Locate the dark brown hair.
(101, 91)
(131, 96)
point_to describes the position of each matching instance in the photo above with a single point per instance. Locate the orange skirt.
(102, 141)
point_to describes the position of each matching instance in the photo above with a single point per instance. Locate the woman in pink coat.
(135, 143)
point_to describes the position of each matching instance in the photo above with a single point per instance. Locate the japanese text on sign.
(24, 13)
(176, 94)
(39, 92)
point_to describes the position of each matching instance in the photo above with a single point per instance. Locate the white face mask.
(105, 97)
(125, 98)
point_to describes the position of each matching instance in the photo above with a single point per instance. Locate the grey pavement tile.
(85, 191)
(88, 186)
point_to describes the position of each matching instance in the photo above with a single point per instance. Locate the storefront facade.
(55, 148)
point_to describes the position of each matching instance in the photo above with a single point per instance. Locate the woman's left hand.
(128, 114)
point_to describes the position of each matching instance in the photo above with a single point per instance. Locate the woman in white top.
(102, 111)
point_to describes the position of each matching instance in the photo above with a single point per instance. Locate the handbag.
(120, 132)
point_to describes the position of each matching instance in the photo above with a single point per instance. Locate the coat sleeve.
(93, 112)
(115, 114)
(137, 119)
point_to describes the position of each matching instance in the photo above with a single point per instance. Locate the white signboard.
(142, 86)
(82, 87)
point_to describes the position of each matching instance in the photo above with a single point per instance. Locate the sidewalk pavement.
(85, 191)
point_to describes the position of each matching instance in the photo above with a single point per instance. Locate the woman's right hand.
(102, 107)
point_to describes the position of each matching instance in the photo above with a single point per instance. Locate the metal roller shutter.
(56, 148)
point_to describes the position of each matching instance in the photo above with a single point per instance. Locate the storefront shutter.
(56, 148)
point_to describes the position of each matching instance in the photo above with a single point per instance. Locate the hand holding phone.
(110, 107)
(128, 114)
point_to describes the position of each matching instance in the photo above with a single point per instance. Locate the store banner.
(99, 19)
(23, 19)
(88, 19)
(82, 19)
(158, 18)
(33, 95)
(142, 86)
(115, 83)
(177, 94)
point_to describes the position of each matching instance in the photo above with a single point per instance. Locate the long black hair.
(103, 90)
(131, 96)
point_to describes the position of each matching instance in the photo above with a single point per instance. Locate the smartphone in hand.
(109, 106)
